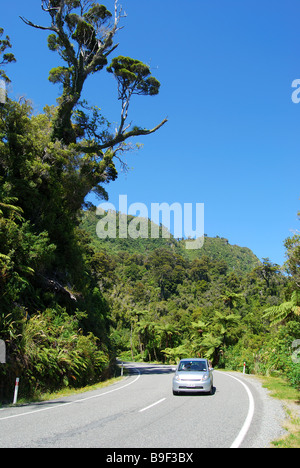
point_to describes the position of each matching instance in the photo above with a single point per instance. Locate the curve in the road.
(246, 426)
(232, 417)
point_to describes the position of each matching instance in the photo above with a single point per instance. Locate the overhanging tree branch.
(37, 26)
(120, 138)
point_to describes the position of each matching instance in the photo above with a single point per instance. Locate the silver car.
(193, 375)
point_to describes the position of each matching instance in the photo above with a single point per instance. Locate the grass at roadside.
(71, 391)
(290, 397)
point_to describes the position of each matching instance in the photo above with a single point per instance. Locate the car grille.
(190, 380)
(191, 388)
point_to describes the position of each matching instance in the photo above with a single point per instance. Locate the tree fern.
(277, 314)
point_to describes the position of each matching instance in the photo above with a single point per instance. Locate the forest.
(218, 302)
(70, 303)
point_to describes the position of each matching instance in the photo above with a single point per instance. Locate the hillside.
(238, 259)
(167, 302)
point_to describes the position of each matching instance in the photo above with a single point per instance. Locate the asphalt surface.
(141, 411)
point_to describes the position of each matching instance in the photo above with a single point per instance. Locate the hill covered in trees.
(238, 259)
(167, 302)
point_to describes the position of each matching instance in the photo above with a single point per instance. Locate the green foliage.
(52, 352)
(277, 314)
(236, 258)
(292, 245)
(133, 77)
(45, 262)
(58, 354)
(5, 57)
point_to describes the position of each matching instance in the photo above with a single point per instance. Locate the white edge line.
(242, 434)
(153, 404)
(63, 405)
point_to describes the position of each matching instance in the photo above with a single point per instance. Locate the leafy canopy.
(5, 57)
(83, 34)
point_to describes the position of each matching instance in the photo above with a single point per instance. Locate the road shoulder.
(270, 414)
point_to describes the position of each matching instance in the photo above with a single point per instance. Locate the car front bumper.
(192, 386)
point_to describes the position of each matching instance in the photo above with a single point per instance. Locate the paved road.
(141, 411)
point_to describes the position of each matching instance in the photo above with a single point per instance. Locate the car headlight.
(205, 377)
(177, 378)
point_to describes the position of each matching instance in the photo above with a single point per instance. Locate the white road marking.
(153, 404)
(63, 405)
(245, 428)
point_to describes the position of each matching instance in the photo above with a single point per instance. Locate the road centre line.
(63, 405)
(247, 423)
(153, 404)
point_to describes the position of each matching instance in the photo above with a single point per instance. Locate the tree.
(268, 273)
(292, 245)
(81, 36)
(199, 270)
(278, 314)
(83, 32)
(210, 346)
(231, 299)
(168, 269)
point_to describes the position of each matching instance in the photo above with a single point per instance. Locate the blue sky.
(232, 140)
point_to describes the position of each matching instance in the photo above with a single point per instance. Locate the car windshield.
(196, 366)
